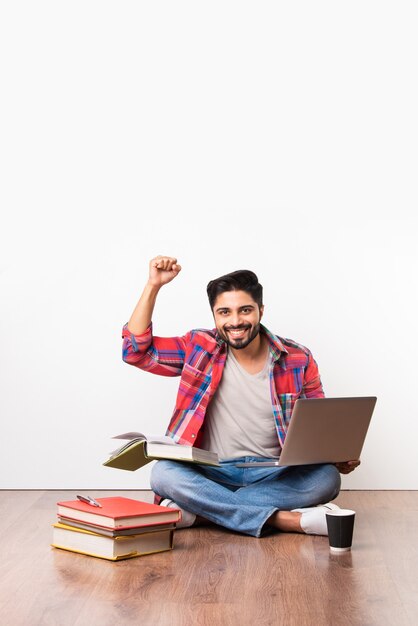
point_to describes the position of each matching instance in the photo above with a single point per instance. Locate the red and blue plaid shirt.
(199, 358)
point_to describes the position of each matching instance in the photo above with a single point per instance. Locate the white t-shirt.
(239, 420)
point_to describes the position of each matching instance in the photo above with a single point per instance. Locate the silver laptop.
(327, 430)
(324, 430)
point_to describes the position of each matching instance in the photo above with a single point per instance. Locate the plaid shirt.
(199, 358)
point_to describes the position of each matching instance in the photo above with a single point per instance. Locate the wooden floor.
(214, 577)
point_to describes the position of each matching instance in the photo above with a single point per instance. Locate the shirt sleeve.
(312, 385)
(158, 355)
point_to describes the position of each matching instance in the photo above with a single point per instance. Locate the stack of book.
(114, 528)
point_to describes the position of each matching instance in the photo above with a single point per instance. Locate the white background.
(275, 136)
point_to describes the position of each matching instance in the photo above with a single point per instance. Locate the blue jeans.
(243, 499)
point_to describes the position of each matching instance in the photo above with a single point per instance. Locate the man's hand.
(347, 466)
(162, 270)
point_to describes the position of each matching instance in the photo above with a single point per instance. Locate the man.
(238, 386)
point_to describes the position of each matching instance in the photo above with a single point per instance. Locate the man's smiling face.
(237, 318)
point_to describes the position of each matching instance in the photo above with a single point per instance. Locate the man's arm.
(162, 270)
(159, 355)
(312, 386)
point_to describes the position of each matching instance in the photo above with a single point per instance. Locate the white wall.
(280, 137)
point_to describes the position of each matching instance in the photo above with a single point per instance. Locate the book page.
(134, 436)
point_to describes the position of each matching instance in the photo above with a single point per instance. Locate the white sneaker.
(313, 519)
(328, 505)
(187, 518)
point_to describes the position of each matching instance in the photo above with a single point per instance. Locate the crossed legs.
(245, 500)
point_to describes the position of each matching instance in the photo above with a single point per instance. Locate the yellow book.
(140, 450)
(111, 548)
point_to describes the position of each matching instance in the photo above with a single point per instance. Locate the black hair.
(241, 280)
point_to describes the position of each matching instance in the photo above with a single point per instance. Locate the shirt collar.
(276, 346)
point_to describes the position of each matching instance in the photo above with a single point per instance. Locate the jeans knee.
(158, 476)
(334, 480)
(326, 482)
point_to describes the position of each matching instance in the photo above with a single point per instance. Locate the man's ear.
(261, 310)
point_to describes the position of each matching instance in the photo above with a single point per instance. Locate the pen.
(89, 500)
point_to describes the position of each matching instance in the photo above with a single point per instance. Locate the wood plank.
(214, 576)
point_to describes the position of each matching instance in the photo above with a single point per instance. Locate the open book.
(141, 449)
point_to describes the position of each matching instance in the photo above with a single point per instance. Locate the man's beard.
(240, 343)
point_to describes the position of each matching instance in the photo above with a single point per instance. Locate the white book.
(112, 548)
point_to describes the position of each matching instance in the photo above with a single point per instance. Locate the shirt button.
(193, 436)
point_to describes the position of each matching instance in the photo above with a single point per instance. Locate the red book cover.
(118, 512)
